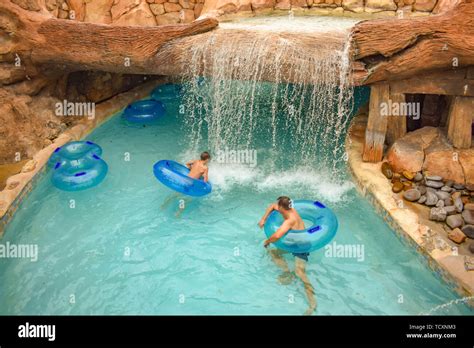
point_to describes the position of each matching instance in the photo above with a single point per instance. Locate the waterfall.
(290, 91)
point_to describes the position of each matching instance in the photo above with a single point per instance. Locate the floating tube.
(79, 174)
(144, 111)
(74, 150)
(323, 228)
(175, 176)
(166, 91)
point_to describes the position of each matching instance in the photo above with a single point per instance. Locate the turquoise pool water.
(114, 250)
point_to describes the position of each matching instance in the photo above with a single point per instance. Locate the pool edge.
(10, 199)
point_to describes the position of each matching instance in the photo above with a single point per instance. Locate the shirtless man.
(198, 168)
(292, 221)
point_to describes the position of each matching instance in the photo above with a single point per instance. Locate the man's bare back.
(295, 221)
(198, 168)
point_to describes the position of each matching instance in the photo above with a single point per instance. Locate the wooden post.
(396, 124)
(376, 124)
(460, 122)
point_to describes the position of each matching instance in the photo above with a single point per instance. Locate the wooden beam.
(460, 122)
(464, 87)
(376, 124)
(396, 124)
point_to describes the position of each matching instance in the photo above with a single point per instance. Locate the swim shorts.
(303, 256)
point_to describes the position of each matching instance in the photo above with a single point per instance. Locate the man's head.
(284, 203)
(205, 156)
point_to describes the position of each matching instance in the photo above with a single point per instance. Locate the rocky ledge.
(449, 202)
(453, 262)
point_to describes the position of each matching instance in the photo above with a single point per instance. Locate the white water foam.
(233, 108)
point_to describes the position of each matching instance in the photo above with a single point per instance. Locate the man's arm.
(270, 208)
(190, 163)
(206, 172)
(285, 227)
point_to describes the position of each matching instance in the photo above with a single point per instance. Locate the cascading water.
(303, 111)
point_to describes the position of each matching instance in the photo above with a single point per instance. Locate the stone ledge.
(10, 199)
(406, 223)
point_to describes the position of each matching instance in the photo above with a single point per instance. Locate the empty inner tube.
(79, 174)
(144, 111)
(73, 150)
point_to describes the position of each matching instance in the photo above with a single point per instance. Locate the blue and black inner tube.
(77, 166)
(175, 176)
(323, 227)
(144, 111)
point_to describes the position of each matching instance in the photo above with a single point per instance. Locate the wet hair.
(284, 202)
(205, 156)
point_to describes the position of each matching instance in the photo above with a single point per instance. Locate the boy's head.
(205, 156)
(284, 203)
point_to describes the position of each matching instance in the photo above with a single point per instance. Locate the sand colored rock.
(424, 5)
(440, 159)
(98, 11)
(380, 5)
(457, 236)
(139, 15)
(356, 6)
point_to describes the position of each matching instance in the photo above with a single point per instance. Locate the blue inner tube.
(79, 174)
(175, 176)
(322, 230)
(74, 150)
(144, 111)
(166, 91)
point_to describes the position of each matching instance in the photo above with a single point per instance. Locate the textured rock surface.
(457, 236)
(427, 149)
(382, 8)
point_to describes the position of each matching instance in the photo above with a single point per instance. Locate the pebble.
(456, 195)
(450, 209)
(387, 170)
(434, 184)
(457, 236)
(468, 216)
(446, 189)
(412, 195)
(422, 199)
(397, 187)
(422, 189)
(442, 195)
(418, 177)
(470, 187)
(454, 221)
(440, 204)
(459, 205)
(459, 186)
(438, 214)
(431, 198)
(408, 175)
(434, 177)
(448, 201)
(468, 230)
